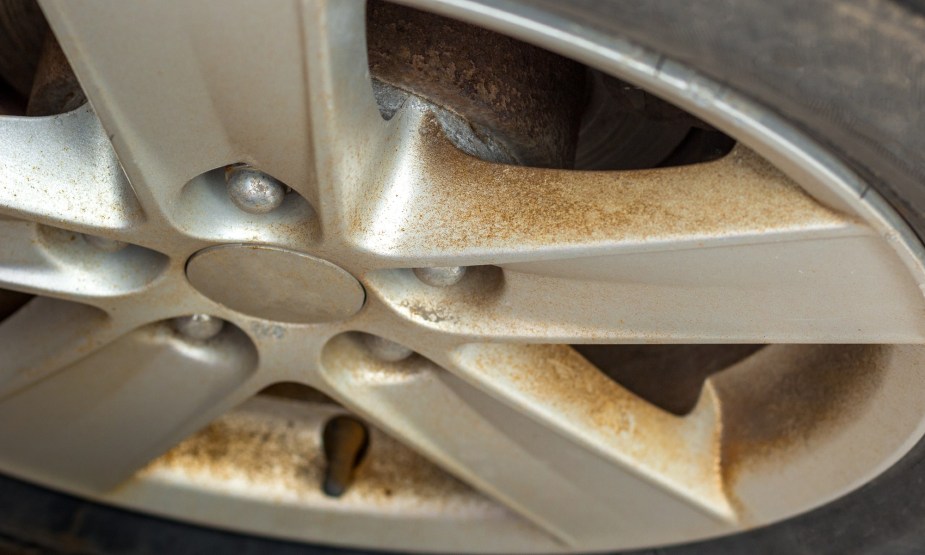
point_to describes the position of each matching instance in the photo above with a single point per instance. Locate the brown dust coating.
(557, 380)
(78, 184)
(272, 447)
(798, 395)
(458, 204)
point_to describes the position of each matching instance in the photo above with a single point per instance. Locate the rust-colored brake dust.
(273, 443)
(770, 405)
(271, 447)
(555, 379)
(797, 395)
(773, 404)
(460, 203)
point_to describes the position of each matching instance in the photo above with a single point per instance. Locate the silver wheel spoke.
(61, 171)
(286, 354)
(349, 139)
(576, 490)
(727, 251)
(805, 291)
(837, 290)
(444, 207)
(95, 423)
(46, 335)
(67, 265)
(177, 108)
(779, 406)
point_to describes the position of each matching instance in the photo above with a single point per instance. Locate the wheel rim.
(564, 458)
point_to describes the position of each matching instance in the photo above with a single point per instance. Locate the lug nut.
(441, 276)
(104, 244)
(199, 327)
(385, 349)
(253, 191)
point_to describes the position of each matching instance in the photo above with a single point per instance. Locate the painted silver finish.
(199, 327)
(254, 191)
(275, 284)
(70, 149)
(443, 276)
(105, 244)
(545, 454)
(385, 349)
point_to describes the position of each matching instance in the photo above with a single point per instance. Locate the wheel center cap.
(275, 284)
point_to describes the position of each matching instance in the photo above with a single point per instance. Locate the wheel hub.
(275, 284)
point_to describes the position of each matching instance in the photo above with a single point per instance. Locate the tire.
(850, 74)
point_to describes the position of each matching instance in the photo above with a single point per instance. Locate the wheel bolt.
(441, 276)
(104, 244)
(199, 327)
(385, 349)
(253, 191)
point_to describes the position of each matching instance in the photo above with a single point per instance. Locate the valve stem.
(345, 441)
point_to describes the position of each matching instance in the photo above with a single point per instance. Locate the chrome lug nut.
(104, 244)
(253, 191)
(199, 327)
(441, 276)
(385, 349)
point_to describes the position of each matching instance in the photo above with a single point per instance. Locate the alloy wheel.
(232, 211)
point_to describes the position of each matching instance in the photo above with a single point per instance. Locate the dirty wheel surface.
(491, 277)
